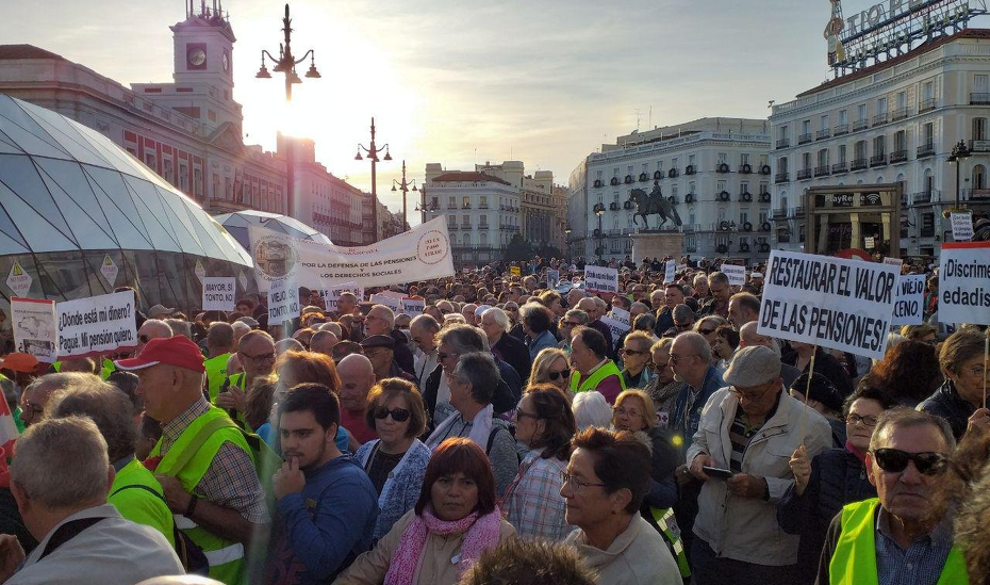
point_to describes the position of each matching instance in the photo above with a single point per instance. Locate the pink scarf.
(859, 455)
(482, 533)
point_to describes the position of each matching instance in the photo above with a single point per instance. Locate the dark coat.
(515, 353)
(401, 352)
(948, 404)
(825, 365)
(506, 396)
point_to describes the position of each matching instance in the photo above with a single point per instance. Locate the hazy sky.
(459, 82)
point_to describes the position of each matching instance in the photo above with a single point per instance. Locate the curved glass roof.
(65, 187)
(237, 224)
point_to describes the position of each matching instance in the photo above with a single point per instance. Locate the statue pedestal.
(657, 245)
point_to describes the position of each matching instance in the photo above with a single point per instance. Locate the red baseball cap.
(176, 351)
(20, 362)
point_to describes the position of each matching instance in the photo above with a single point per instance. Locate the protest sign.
(668, 275)
(389, 301)
(832, 302)
(893, 261)
(515, 271)
(422, 253)
(617, 328)
(35, 330)
(736, 274)
(909, 303)
(962, 225)
(964, 283)
(283, 301)
(620, 315)
(601, 279)
(682, 267)
(219, 293)
(331, 294)
(553, 278)
(413, 307)
(94, 325)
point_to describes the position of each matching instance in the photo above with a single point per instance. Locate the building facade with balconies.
(894, 122)
(714, 171)
(482, 208)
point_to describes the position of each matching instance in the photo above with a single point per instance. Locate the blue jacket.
(711, 384)
(543, 341)
(319, 531)
(402, 488)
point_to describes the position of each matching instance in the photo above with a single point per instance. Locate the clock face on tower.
(226, 62)
(196, 56)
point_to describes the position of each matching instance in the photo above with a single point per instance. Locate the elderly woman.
(636, 358)
(634, 412)
(724, 345)
(455, 519)
(496, 325)
(551, 367)
(396, 461)
(707, 326)
(545, 426)
(536, 320)
(570, 320)
(960, 398)
(591, 410)
(605, 483)
(923, 332)
(834, 478)
(664, 388)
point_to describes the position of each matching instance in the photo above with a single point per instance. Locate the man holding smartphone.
(744, 434)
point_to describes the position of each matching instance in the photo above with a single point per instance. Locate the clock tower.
(203, 44)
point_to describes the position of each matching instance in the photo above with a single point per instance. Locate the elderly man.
(152, 329)
(256, 354)
(323, 342)
(381, 321)
(219, 346)
(574, 296)
(380, 349)
(749, 337)
(673, 295)
(718, 285)
(423, 331)
(472, 387)
(346, 303)
(215, 493)
(357, 376)
(904, 535)
(468, 311)
(572, 318)
(589, 306)
(495, 323)
(34, 398)
(746, 432)
(683, 320)
(743, 308)
(592, 369)
(59, 480)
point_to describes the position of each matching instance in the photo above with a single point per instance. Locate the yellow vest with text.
(216, 373)
(608, 369)
(854, 561)
(226, 557)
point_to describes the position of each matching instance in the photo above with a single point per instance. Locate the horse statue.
(654, 203)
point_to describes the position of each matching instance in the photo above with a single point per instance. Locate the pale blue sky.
(459, 82)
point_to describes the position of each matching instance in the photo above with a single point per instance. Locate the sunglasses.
(706, 331)
(625, 351)
(398, 414)
(896, 461)
(554, 376)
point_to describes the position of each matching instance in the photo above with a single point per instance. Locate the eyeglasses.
(443, 356)
(520, 413)
(896, 461)
(554, 376)
(978, 371)
(676, 359)
(855, 419)
(655, 366)
(398, 414)
(625, 351)
(751, 396)
(260, 358)
(681, 327)
(577, 483)
(620, 411)
(706, 331)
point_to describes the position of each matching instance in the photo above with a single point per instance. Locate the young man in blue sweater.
(327, 506)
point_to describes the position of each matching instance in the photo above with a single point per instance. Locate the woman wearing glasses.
(396, 461)
(545, 426)
(836, 477)
(960, 398)
(635, 359)
(551, 367)
(606, 481)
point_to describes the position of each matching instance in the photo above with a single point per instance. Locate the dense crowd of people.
(505, 435)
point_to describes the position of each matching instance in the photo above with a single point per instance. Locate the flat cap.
(752, 366)
(378, 341)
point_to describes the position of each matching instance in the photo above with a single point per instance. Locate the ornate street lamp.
(405, 188)
(960, 152)
(372, 152)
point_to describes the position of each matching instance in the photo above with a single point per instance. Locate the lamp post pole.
(600, 211)
(960, 152)
(372, 152)
(286, 64)
(404, 187)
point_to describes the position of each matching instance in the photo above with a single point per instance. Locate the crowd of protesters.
(506, 435)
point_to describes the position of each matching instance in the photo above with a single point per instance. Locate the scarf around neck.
(481, 427)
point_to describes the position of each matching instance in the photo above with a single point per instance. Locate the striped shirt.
(741, 432)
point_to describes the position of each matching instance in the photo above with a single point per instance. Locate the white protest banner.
(832, 302)
(413, 307)
(422, 253)
(219, 293)
(283, 301)
(893, 261)
(621, 315)
(964, 283)
(553, 278)
(389, 301)
(617, 328)
(35, 330)
(682, 267)
(94, 325)
(736, 274)
(962, 225)
(669, 268)
(601, 279)
(909, 303)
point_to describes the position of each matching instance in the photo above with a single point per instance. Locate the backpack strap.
(492, 435)
(138, 486)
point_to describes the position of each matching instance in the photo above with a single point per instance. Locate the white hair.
(387, 314)
(591, 410)
(500, 317)
(62, 462)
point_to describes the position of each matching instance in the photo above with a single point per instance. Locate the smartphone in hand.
(716, 472)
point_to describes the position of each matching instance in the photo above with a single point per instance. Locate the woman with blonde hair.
(551, 367)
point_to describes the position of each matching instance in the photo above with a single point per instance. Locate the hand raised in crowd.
(701, 460)
(176, 497)
(979, 421)
(234, 398)
(289, 479)
(801, 468)
(747, 486)
(11, 556)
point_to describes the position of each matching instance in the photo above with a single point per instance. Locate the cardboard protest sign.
(35, 330)
(962, 225)
(736, 274)
(964, 283)
(617, 328)
(283, 301)
(219, 293)
(389, 301)
(909, 303)
(601, 279)
(515, 271)
(332, 293)
(94, 325)
(620, 315)
(832, 302)
(413, 307)
(668, 275)
(553, 278)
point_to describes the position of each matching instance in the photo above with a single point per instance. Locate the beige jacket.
(746, 529)
(435, 564)
(638, 556)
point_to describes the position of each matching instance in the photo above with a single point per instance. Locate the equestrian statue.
(654, 203)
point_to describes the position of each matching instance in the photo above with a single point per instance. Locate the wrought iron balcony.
(804, 138)
(881, 119)
(840, 168)
(926, 150)
(979, 99)
(899, 114)
(822, 171)
(803, 174)
(823, 134)
(841, 129)
(860, 125)
(927, 105)
(782, 177)
(898, 156)
(858, 164)
(783, 142)
(878, 160)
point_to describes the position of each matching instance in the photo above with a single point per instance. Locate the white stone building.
(893, 122)
(714, 171)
